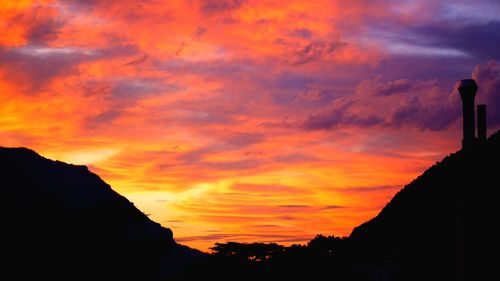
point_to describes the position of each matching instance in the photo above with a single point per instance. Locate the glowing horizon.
(242, 120)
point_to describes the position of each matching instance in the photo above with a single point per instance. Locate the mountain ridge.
(440, 212)
(62, 219)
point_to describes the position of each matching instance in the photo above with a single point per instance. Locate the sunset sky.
(247, 120)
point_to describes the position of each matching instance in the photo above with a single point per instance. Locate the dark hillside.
(62, 221)
(440, 226)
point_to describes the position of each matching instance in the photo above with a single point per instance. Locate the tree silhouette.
(257, 252)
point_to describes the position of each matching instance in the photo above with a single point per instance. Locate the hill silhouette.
(61, 221)
(441, 226)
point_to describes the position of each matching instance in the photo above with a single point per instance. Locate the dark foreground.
(62, 222)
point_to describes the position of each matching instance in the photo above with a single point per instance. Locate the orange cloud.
(24, 21)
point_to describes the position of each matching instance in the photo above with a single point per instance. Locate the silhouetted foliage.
(253, 252)
(326, 244)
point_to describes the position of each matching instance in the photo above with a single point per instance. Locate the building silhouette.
(468, 89)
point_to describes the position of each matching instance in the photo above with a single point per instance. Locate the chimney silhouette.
(468, 90)
(481, 122)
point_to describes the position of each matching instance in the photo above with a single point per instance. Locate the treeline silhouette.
(320, 257)
(321, 246)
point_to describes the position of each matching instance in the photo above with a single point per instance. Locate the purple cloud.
(488, 78)
(314, 51)
(400, 103)
(217, 6)
(34, 67)
(480, 40)
(244, 139)
(103, 118)
(372, 87)
(302, 33)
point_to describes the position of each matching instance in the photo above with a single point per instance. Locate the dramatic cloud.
(488, 77)
(34, 68)
(316, 50)
(246, 120)
(398, 103)
(26, 23)
(465, 38)
(215, 6)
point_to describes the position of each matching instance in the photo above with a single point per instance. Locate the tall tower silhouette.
(468, 90)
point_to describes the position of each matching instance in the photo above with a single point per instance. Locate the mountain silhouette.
(61, 221)
(441, 226)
